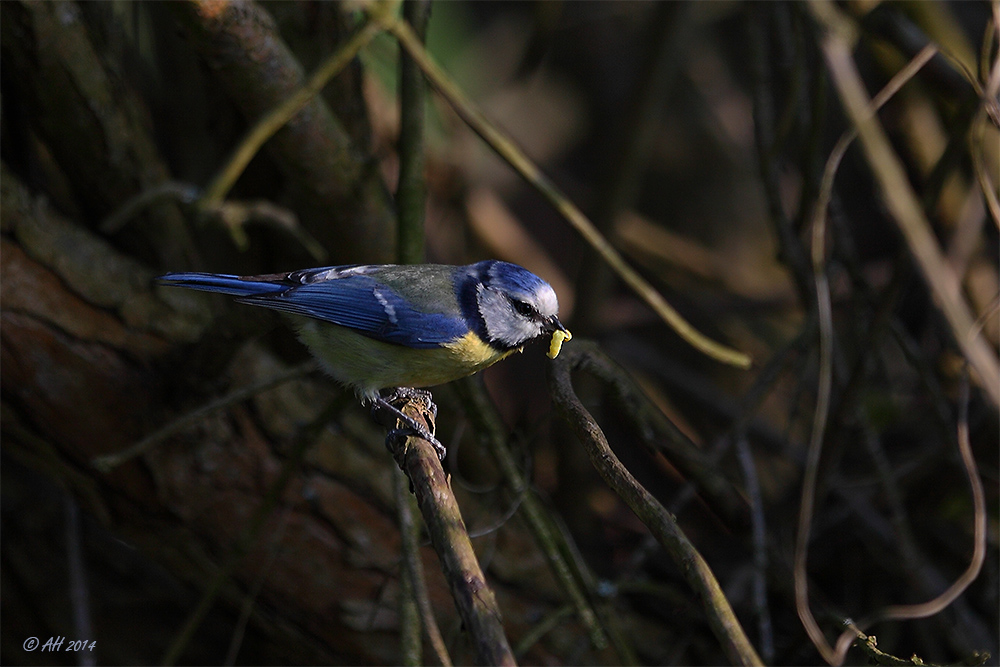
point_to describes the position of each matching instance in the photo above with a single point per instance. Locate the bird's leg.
(424, 400)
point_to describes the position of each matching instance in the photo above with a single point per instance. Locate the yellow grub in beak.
(558, 336)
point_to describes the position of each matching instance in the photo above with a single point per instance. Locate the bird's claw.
(425, 401)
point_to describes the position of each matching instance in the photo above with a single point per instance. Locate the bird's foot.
(401, 396)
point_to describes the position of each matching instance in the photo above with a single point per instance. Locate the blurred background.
(694, 135)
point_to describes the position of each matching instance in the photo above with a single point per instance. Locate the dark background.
(694, 135)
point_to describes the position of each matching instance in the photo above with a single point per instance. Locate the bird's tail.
(218, 282)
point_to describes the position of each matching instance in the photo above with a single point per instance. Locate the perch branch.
(410, 201)
(473, 597)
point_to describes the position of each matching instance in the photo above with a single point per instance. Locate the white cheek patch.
(502, 323)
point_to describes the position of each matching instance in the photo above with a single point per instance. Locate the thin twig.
(275, 119)
(901, 201)
(335, 193)
(539, 629)
(305, 438)
(792, 252)
(648, 509)
(274, 549)
(528, 170)
(411, 196)
(666, 40)
(109, 461)
(411, 191)
(745, 457)
(988, 110)
(764, 382)
(663, 436)
(169, 191)
(410, 644)
(939, 603)
(825, 379)
(481, 410)
(413, 569)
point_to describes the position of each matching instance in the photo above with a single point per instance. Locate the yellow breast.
(368, 365)
(472, 350)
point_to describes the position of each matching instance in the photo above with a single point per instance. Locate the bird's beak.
(554, 324)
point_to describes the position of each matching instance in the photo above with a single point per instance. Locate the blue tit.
(385, 326)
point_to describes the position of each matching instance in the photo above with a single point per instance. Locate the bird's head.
(514, 305)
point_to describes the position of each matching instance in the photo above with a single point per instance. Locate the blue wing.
(347, 296)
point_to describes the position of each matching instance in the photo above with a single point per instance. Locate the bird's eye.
(523, 309)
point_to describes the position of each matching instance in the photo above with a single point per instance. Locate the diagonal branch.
(528, 170)
(648, 509)
(903, 203)
(474, 599)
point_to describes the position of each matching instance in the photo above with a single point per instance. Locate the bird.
(388, 326)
